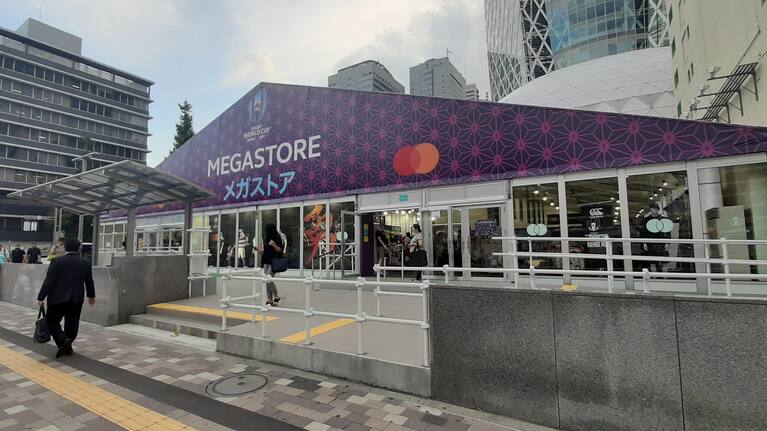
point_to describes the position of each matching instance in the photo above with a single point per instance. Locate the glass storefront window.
(484, 224)
(736, 208)
(659, 207)
(290, 225)
(593, 212)
(342, 231)
(267, 217)
(440, 236)
(214, 243)
(247, 234)
(315, 244)
(228, 238)
(536, 214)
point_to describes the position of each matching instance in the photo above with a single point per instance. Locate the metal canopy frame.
(120, 186)
(733, 84)
(125, 185)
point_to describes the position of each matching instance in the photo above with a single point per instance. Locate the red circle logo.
(420, 159)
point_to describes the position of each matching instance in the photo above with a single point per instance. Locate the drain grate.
(238, 384)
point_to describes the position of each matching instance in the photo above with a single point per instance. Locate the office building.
(471, 92)
(368, 75)
(718, 60)
(527, 39)
(57, 105)
(437, 77)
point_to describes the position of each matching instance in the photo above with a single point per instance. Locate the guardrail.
(258, 293)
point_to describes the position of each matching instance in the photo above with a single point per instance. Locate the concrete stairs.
(190, 320)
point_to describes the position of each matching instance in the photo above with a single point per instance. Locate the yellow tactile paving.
(299, 337)
(120, 411)
(206, 311)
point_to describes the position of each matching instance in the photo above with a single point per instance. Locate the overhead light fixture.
(665, 184)
(702, 88)
(536, 192)
(557, 208)
(612, 198)
(551, 204)
(545, 198)
(712, 71)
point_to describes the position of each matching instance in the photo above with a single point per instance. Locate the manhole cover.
(238, 384)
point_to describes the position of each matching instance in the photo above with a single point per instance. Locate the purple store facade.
(343, 172)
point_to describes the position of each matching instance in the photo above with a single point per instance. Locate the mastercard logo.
(418, 159)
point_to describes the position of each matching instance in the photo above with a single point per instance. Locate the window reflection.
(228, 238)
(246, 235)
(315, 243)
(536, 214)
(659, 208)
(342, 231)
(290, 222)
(593, 211)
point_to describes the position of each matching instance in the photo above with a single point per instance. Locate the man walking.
(68, 280)
(33, 254)
(17, 254)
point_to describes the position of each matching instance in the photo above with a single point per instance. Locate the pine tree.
(184, 127)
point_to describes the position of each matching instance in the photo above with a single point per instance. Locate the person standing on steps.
(68, 281)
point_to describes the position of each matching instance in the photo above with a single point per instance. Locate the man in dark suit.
(68, 280)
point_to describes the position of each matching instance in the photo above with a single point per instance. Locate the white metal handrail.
(257, 277)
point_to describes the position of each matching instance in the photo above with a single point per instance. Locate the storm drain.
(238, 384)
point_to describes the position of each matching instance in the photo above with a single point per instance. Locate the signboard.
(288, 142)
(486, 228)
(403, 198)
(598, 218)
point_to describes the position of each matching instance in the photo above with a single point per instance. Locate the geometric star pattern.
(477, 141)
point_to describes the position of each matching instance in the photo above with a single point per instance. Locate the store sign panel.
(283, 142)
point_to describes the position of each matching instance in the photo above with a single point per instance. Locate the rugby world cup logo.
(258, 106)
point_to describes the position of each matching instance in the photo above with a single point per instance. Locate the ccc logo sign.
(596, 212)
(536, 229)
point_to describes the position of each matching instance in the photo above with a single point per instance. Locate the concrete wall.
(376, 372)
(587, 361)
(120, 290)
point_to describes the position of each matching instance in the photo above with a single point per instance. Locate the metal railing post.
(610, 266)
(307, 310)
(726, 263)
(707, 256)
(515, 262)
(645, 280)
(446, 271)
(264, 306)
(425, 325)
(224, 304)
(378, 289)
(255, 299)
(360, 317)
(532, 275)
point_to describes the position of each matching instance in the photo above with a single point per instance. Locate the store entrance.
(386, 240)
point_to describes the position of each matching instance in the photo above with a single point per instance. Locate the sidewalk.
(304, 400)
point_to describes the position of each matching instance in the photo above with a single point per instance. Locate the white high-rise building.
(527, 39)
(437, 77)
(368, 75)
(471, 92)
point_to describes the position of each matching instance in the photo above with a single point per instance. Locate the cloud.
(249, 68)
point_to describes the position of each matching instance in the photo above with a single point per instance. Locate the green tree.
(184, 127)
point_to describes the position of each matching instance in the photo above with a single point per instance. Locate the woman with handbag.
(272, 260)
(417, 253)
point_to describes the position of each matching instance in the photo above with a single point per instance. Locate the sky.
(212, 52)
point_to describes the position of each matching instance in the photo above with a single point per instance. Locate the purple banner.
(284, 142)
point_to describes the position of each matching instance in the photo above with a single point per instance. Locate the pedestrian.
(57, 249)
(33, 254)
(274, 249)
(17, 254)
(3, 255)
(68, 281)
(416, 244)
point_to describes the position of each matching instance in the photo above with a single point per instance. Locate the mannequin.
(242, 242)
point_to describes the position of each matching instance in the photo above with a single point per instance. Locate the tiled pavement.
(307, 401)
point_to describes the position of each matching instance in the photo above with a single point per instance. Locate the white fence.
(704, 266)
(312, 287)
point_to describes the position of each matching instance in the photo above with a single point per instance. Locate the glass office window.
(290, 225)
(593, 213)
(315, 243)
(536, 214)
(659, 208)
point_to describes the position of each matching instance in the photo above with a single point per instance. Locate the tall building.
(368, 75)
(56, 105)
(437, 77)
(718, 60)
(471, 92)
(527, 39)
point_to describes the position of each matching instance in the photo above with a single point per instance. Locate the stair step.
(202, 314)
(195, 328)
